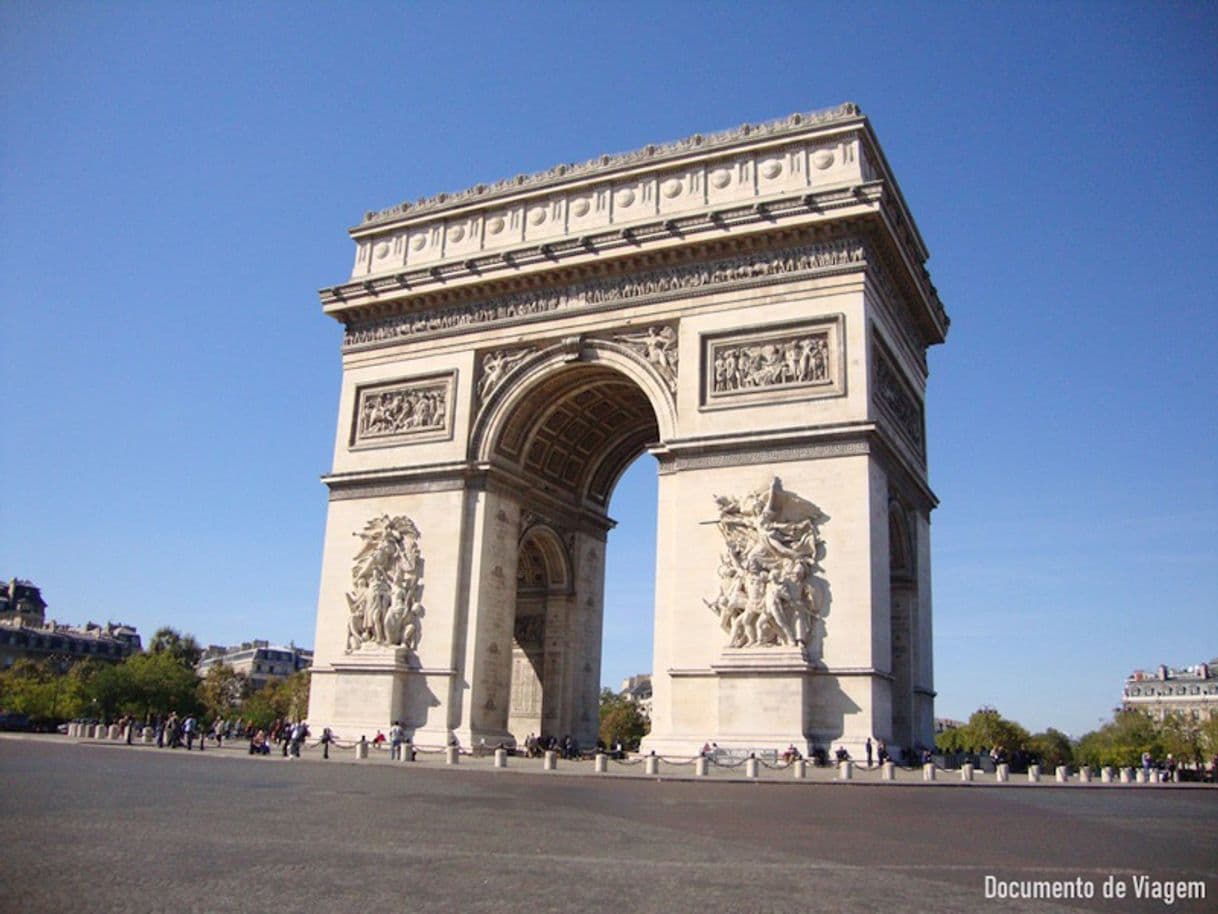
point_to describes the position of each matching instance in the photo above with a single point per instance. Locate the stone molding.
(809, 669)
(674, 457)
(605, 164)
(731, 273)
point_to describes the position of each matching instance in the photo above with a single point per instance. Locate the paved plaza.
(103, 827)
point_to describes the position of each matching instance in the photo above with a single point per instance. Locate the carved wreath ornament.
(388, 581)
(769, 594)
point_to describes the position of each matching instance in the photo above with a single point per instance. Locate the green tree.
(621, 719)
(222, 690)
(288, 698)
(1183, 738)
(30, 687)
(185, 648)
(1121, 741)
(953, 739)
(1052, 747)
(162, 683)
(986, 728)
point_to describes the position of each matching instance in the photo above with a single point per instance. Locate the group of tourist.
(288, 735)
(567, 747)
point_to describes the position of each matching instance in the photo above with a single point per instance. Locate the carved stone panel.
(895, 400)
(403, 412)
(387, 584)
(787, 362)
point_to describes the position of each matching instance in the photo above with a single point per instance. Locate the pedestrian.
(188, 727)
(868, 747)
(327, 737)
(396, 735)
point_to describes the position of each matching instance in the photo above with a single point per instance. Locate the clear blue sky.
(177, 179)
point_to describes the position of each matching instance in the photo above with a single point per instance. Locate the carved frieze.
(846, 252)
(784, 362)
(890, 393)
(769, 591)
(403, 411)
(387, 582)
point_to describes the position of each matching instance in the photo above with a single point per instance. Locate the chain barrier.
(777, 766)
(628, 761)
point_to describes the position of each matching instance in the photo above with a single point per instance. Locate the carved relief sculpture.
(893, 397)
(394, 410)
(769, 592)
(495, 367)
(795, 359)
(659, 347)
(388, 580)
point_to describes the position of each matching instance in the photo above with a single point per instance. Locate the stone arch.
(544, 562)
(574, 416)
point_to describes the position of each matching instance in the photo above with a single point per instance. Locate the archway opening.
(567, 441)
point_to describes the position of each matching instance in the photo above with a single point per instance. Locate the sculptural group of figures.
(401, 410)
(791, 361)
(769, 594)
(384, 606)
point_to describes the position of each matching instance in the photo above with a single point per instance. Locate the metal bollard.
(549, 761)
(1084, 775)
(928, 771)
(1002, 773)
(845, 770)
(452, 755)
(799, 768)
(966, 772)
(750, 767)
(361, 748)
(1106, 774)
(1154, 776)
(1140, 776)
(651, 765)
(500, 758)
(601, 764)
(1034, 774)
(116, 731)
(701, 766)
(406, 752)
(1126, 775)
(1063, 774)
(888, 771)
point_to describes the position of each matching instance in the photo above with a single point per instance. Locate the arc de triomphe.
(751, 308)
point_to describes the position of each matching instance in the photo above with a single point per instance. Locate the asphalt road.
(101, 827)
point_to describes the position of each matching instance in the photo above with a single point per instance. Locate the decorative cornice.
(746, 133)
(849, 253)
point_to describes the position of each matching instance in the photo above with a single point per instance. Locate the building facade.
(260, 661)
(26, 633)
(1190, 690)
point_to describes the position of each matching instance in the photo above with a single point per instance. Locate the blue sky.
(176, 181)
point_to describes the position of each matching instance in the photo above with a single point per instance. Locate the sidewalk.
(667, 769)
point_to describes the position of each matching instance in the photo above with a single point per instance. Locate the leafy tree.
(953, 739)
(30, 687)
(621, 719)
(1183, 738)
(1052, 747)
(221, 691)
(287, 698)
(1121, 741)
(185, 648)
(987, 728)
(161, 683)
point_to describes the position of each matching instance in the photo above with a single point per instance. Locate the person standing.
(396, 735)
(188, 727)
(868, 747)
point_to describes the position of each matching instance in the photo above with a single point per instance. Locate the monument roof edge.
(845, 113)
